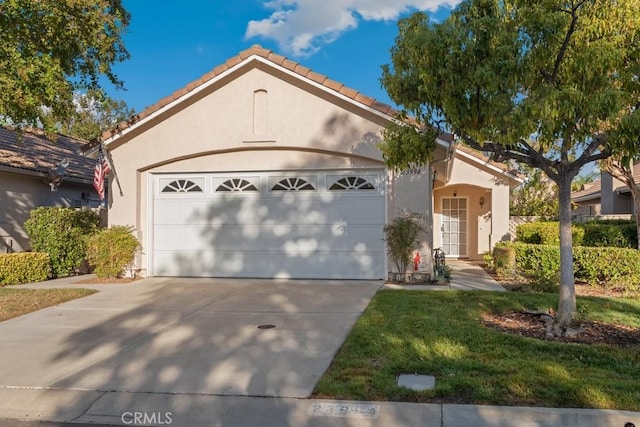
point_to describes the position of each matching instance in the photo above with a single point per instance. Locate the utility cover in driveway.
(318, 225)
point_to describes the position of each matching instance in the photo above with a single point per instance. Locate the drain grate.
(266, 326)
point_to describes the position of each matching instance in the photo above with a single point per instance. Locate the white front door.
(454, 226)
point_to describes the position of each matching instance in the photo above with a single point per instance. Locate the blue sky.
(173, 43)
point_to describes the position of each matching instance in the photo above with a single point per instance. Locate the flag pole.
(107, 157)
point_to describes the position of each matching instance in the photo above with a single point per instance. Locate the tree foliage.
(51, 48)
(93, 114)
(551, 84)
(537, 196)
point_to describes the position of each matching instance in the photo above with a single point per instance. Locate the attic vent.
(352, 183)
(182, 186)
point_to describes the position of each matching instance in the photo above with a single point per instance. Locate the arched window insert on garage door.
(236, 184)
(352, 183)
(182, 186)
(293, 184)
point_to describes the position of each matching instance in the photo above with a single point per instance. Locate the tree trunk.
(635, 195)
(567, 302)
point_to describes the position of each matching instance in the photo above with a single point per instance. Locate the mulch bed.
(592, 332)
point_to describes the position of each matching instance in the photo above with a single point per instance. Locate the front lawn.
(442, 334)
(16, 302)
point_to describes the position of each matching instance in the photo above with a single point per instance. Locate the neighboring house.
(35, 171)
(264, 168)
(604, 196)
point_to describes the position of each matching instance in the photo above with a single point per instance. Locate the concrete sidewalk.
(193, 410)
(144, 313)
(465, 276)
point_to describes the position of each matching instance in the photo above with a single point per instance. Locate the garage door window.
(351, 183)
(183, 186)
(293, 184)
(236, 184)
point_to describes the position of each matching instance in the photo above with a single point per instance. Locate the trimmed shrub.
(621, 235)
(611, 233)
(546, 233)
(24, 267)
(607, 268)
(61, 233)
(112, 250)
(504, 260)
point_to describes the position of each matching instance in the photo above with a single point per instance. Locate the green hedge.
(546, 233)
(608, 268)
(61, 233)
(24, 267)
(619, 235)
(112, 250)
(612, 233)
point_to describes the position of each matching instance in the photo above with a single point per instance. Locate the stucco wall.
(486, 224)
(304, 129)
(19, 194)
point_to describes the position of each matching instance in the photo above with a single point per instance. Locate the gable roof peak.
(266, 55)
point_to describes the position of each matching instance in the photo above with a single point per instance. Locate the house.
(36, 171)
(604, 196)
(264, 168)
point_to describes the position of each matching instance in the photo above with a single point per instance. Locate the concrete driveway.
(198, 336)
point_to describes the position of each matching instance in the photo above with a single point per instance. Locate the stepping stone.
(417, 382)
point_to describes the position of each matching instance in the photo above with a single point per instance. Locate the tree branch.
(553, 77)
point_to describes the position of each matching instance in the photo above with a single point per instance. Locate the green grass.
(16, 302)
(441, 334)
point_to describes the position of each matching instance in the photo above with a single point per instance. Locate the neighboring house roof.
(592, 190)
(266, 55)
(31, 153)
(589, 191)
(636, 179)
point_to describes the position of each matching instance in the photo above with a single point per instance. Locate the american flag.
(101, 171)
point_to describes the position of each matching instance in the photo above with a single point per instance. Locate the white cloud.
(301, 27)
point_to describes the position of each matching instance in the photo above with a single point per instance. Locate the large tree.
(51, 48)
(93, 113)
(548, 83)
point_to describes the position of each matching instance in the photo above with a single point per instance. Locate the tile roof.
(290, 65)
(589, 191)
(267, 54)
(593, 189)
(31, 151)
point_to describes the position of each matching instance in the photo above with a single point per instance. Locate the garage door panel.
(339, 237)
(298, 234)
(321, 265)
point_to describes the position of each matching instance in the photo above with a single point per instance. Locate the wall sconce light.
(481, 202)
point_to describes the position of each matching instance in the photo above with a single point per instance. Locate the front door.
(454, 226)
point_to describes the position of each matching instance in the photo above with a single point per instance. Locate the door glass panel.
(454, 226)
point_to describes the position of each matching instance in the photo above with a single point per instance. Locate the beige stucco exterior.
(257, 116)
(255, 119)
(473, 179)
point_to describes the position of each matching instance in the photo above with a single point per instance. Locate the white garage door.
(292, 225)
